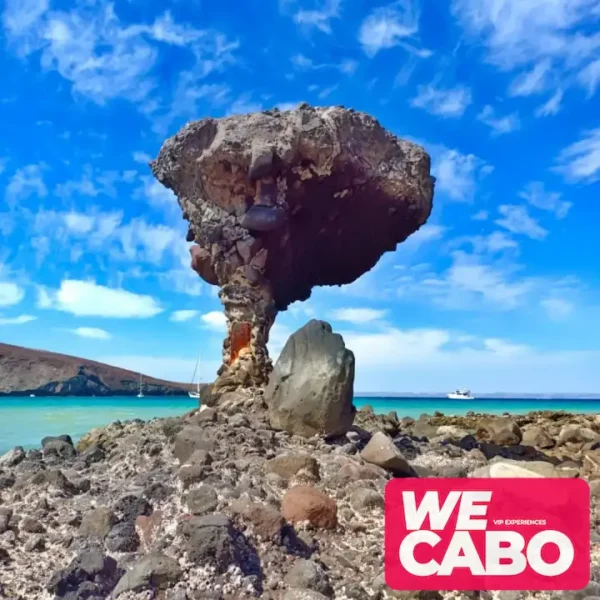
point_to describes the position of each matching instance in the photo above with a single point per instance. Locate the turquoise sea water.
(25, 421)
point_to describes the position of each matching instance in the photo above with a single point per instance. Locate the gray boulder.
(310, 390)
(153, 571)
(13, 457)
(500, 430)
(382, 451)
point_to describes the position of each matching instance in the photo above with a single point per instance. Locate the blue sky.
(498, 292)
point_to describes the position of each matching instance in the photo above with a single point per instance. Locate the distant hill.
(24, 371)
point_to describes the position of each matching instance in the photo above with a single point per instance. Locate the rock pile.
(280, 202)
(208, 506)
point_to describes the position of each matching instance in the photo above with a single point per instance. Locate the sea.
(25, 421)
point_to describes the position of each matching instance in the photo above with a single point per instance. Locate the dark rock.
(91, 573)
(422, 428)
(122, 538)
(262, 162)
(263, 218)
(30, 525)
(6, 481)
(210, 540)
(202, 500)
(267, 521)
(188, 440)
(35, 543)
(382, 452)
(206, 415)
(59, 448)
(153, 571)
(311, 388)
(308, 575)
(57, 438)
(13, 457)
(130, 507)
(55, 478)
(97, 523)
(92, 455)
(364, 499)
(190, 474)
(288, 465)
(502, 431)
(202, 264)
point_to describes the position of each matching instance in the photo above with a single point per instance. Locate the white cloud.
(26, 181)
(179, 316)
(589, 77)
(244, 105)
(215, 321)
(499, 125)
(321, 17)
(10, 294)
(79, 223)
(142, 157)
(537, 196)
(581, 160)
(44, 297)
(552, 106)
(450, 103)
(358, 315)
(390, 26)
(93, 183)
(86, 298)
(471, 282)
(456, 173)
(104, 59)
(304, 63)
(490, 244)
(20, 320)
(517, 219)
(284, 106)
(524, 34)
(557, 308)
(438, 360)
(481, 215)
(92, 332)
(531, 82)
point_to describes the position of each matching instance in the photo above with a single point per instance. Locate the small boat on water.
(461, 395)
(196, 394)
(32, 395)
(141, 394)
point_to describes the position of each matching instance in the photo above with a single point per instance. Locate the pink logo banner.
(487, 534)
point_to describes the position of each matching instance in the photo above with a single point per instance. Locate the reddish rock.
(241, 333)
(267, 520)
(148, 527)
(306, 503)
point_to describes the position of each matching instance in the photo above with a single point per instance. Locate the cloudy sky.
(498, 292)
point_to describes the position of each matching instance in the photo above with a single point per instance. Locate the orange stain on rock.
(240, 338)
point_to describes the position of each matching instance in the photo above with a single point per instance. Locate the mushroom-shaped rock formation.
(280, 202)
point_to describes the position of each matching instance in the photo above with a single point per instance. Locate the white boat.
(196, 394)
(141, 394)
(461, 395)
(32, 395)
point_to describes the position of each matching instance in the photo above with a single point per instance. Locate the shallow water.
(25, 421)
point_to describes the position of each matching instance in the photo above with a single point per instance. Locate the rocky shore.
(217, 505)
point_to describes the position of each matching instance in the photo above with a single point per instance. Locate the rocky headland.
(25, 371)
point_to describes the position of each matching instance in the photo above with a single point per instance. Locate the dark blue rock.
(263, 218)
